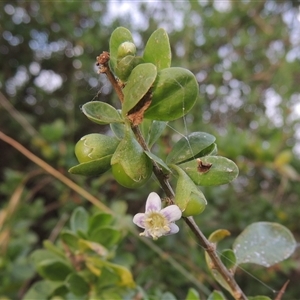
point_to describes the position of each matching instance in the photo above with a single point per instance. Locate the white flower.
(156, 221)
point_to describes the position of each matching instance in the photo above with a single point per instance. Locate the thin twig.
(207, 246)
(54, 172)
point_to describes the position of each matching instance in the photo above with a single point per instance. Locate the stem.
(164, 182)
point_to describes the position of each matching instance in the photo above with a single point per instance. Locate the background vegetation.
(245, 56)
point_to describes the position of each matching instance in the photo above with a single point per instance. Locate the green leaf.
(138, 84)
(187, 191)
(264, 243)
(53, 132)
(192, 295)
(118, 129)
(158, 50)
(159, 161)
(211, 150)
(101, 113)
(77, 285)
(155, 131)
(69, 238)
(106, 236)
(41, 290)
(228, 258)
(216, 295)
(126, 65)
(53, 269)
(99, 220)
(92, 168)
(79, 220)
(118, 36)
(221, 171)
(174, 93)
(132, 157)
(189, 147)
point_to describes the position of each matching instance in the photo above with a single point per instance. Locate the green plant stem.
(210, 248)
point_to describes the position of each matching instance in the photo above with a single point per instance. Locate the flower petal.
(173, 229)
(172, 213)
(153, 202)
(139, 220)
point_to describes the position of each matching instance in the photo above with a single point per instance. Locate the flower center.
(156, 225)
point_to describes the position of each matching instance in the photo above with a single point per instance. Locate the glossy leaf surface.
(101, 113)
(175, 92)
(189, 147)
(222, 170)
(264, 243)
(138, 84)
(158, 50)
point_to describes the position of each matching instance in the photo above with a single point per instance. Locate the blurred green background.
(246, 58)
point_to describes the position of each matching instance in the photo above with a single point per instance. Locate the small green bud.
(126, 48)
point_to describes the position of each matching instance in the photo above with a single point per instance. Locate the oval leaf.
(99, 220)
(158, 50)
(52, 269)
(189, 147)
(118, 36)
(175, 92)
(92, 168)
(79, 220)
(139, 83)
(77, 285)
(211, 170)
(101, 113)
(264, 243)
(106, 236)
